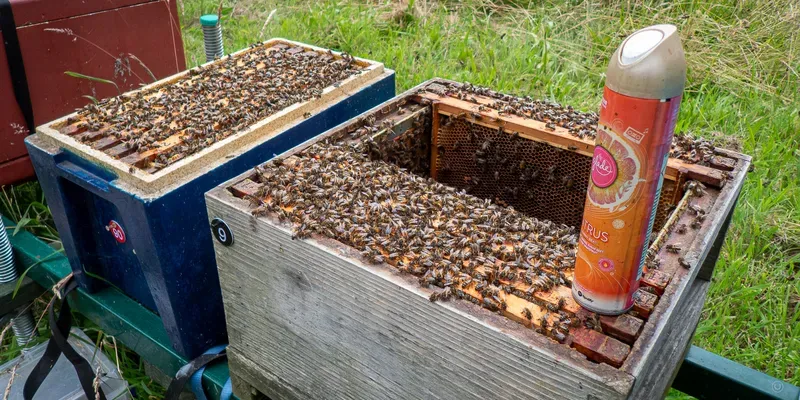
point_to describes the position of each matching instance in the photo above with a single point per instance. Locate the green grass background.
(743, 92)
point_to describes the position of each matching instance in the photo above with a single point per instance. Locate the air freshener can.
(644, 84)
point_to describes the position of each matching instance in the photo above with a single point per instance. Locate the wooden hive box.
(125, 178)
(312, 316)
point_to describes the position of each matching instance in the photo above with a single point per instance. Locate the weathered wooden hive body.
(382, 260)
(125, 178)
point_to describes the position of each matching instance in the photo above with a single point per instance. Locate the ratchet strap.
(193, 373)
(59, 331)
(16, 68)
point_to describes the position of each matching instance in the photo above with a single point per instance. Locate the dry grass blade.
(152, 76)
(10, 382)
(5, 330)
(266, 22)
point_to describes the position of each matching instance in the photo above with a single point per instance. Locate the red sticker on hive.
(116, 231)
(604, 168)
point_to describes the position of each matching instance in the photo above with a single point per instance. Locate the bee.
(551, 126)
(526, 312)
(681, 229)
(551, 173)
(543, 321)
(481, 162)
(515, 136)
(685, 264)
(558, 335)
(696, 224)
(674, 248)
(697, 210)
(568, 181)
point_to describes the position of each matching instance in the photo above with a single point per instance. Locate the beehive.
(382, 260)
(125, 178)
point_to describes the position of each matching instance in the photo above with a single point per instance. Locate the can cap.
(209, 20)
(649, 64)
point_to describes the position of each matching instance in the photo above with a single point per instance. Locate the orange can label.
(630, 157)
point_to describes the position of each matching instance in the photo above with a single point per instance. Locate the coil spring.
(8, 271)
(212, 39)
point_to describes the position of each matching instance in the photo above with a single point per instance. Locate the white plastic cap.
(649, 64)
(639, 44)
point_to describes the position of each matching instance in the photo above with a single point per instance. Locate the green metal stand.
(706, 375)
(703, 374)
(117, 315)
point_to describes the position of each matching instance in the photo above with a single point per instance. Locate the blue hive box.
(146, 231)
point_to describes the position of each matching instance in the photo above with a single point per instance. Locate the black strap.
(16, 68)
(59, 330)
(185, 373)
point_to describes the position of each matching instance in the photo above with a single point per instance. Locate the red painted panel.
(16, 171)
(97, 44)
(28, 12)
(11, 139)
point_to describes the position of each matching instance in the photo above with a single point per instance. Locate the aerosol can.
(644, 84)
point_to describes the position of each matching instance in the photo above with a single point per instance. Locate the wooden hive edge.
(651, 337)
(656, 381)
(588, 377)
(153, 185)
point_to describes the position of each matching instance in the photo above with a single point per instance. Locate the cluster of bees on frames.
(686, 147)
(409, 149)
(580, 124)
(443, 236)
(695, 150)
(213, 102)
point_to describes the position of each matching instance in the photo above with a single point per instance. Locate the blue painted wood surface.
(167, 261)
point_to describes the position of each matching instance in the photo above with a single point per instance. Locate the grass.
(743, 91)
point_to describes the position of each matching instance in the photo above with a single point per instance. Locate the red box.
(90, 37)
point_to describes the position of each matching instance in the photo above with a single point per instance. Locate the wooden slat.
(435, 121)
(516, 306)
(106, 143)
(91, 136)
(643, 303)
(245, 188)
(657, 280)
(599, 347)
(167, 144)
(560, 137)
(74, 129)
(120, 150)
(623, 327)
(723, 163)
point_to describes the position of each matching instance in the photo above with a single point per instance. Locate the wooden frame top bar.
(560, 137)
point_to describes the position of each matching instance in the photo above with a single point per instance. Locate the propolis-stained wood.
(310, 316)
